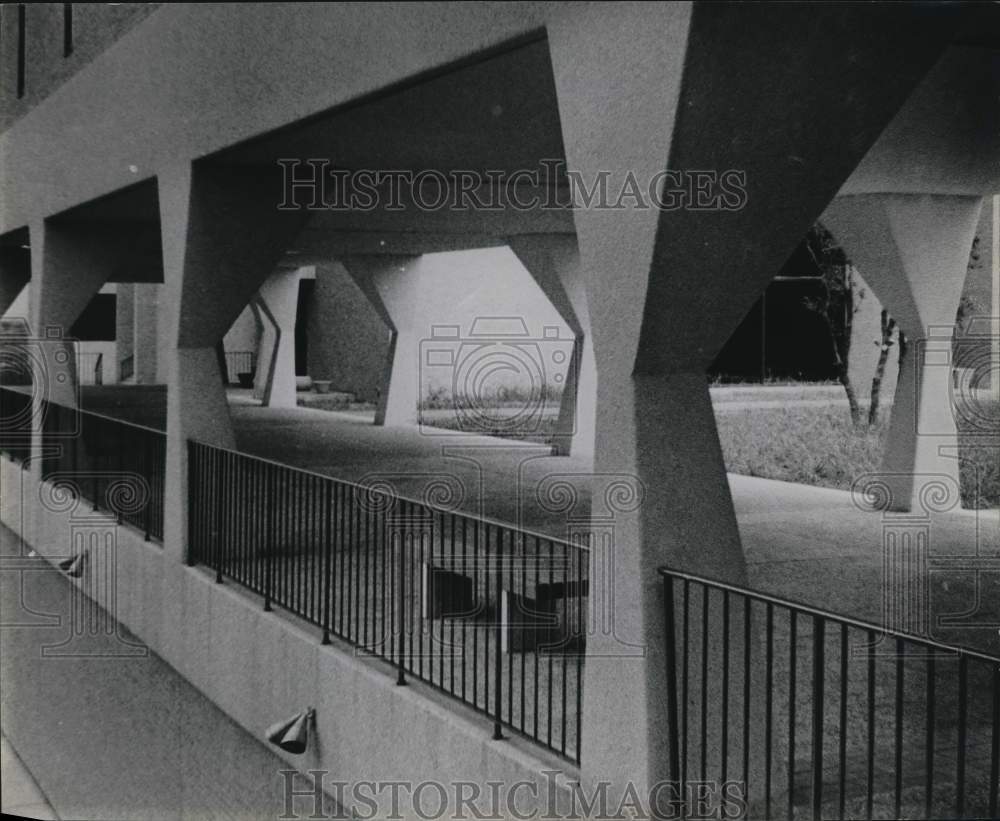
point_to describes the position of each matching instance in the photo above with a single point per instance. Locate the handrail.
(486, 520)
(826, 614)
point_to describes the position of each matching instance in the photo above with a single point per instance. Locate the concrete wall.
(95, 27)
(348, 342)
(257, 668)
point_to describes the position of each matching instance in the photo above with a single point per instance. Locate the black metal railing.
(126, 368)
(825, 716)
(238, 362)
(117, 466)
(490, 615)
(16, 414)
(90, 368)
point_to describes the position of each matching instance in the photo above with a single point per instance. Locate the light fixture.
(292, 734)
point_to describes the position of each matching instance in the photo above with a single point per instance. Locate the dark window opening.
(20, 49)
(67, 29)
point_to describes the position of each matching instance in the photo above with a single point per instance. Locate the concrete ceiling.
(498, 113)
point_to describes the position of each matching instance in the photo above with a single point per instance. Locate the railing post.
(671, 659)
(194, 501)
(147, 473)
(220, 518)
(269, 534)
(498, 632)
(325, 580)
(819, 637)
(401, 537)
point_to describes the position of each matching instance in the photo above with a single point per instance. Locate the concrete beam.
(914, 252)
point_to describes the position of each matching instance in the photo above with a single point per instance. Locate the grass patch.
(819, 446)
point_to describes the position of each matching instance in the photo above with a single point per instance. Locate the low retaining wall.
(260, 667)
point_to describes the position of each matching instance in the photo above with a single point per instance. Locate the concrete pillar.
(390, 283)
(554, 262)
(276, 304)
(124, 326)
(221, 237)
(146, 317)
(69, 266)
(914, 252)
(667, 286)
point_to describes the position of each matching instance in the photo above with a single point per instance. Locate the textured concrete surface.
(19, 792)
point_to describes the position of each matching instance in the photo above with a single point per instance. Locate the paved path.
(806, 543)
(20, 794)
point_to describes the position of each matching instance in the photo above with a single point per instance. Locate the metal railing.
(825, 716)
(238, 362)
(117, 466)
(90, 368)
(490, 615)
(126, 368)
(15, 424)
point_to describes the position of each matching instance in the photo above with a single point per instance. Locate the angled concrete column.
(146, 318)
(276, 304)
(666, 288)
(222, 236)
(390, 283)
(124, 325)
(914, 252)
(70, 264)
(554, 262)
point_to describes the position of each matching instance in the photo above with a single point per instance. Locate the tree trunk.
(888, 325)
(843, 375)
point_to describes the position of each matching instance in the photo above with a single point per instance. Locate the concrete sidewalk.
(19, 792)
(810, 544)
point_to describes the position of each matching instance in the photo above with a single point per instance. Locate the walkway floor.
(20, 794)
(805, 543)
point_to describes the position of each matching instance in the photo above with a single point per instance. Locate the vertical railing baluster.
(747, 639)
(671, 660)
(704, 682)
(327, 548)
(818, 668)
(929, 737)
(870, 794)
(498, 653)
(792, 671)
(724, 713)
(898, 761)
(995, 745)
(842, 738)
(401, 582)
(269, 491)
(963, 687)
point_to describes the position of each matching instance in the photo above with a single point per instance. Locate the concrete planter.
(321, 385)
